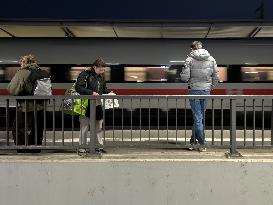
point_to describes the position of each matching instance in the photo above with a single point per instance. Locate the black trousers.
(99, 112)
(22, 134)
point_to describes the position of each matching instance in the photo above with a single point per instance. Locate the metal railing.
(231, 122)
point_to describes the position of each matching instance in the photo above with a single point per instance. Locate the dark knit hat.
(99, 63)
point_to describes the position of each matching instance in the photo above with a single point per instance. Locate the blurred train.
(148, 66)
(156, 79)
(126, 79)
(144, 66)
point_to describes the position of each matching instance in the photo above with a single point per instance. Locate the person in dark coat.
(91, 82)
(22, 84)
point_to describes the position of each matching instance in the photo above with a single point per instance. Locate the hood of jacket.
(200, 54)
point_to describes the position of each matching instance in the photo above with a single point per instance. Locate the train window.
(10, 72)
(47, 69)
(75, 71)
(142, 74)
(222, 74)
(7, 73)
(107, 74)
(2, 74)
(257, 73)
(174, 73)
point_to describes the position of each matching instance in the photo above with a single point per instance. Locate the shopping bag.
(74, 106)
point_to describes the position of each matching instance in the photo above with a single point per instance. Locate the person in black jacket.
(91, 82)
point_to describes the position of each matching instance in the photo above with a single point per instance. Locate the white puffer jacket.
(200, 70)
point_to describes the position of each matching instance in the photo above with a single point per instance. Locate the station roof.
(182, 30)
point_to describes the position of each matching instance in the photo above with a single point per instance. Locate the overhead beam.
(10, 34)
(208, 31)
(113, 27)
(68, 32)
(254, 32)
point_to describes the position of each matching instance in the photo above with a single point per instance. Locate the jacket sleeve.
(18, 83)
(185, 74)
(81, 84)
(215, 75)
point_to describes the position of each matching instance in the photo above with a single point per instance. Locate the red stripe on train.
(172, 92)
(4, 92)
(258, 91)
(150, 92)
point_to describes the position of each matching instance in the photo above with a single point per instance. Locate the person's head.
(27, 59)
(99, 66)
(196, 45)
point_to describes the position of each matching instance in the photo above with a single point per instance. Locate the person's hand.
(94, 93)
(111, 93)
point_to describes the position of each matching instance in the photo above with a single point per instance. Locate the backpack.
(43, 87)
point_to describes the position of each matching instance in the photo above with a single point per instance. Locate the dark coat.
(23, 83)
(87, 83)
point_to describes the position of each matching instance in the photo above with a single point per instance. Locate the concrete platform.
(137, 176)
(138, 154)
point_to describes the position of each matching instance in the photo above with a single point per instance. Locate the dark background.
(136, 10)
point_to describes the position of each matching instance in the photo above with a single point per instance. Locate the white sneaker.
(191, 148)
(202, 149)
(82, 152)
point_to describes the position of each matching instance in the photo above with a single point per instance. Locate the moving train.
(126, 79)
(144, 66)
(147, 66)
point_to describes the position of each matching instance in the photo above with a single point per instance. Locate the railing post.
(7, 121)
(272, 124)
(92, 143)
(233, 152)
(233, 126)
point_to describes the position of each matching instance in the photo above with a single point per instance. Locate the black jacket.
(88, 82)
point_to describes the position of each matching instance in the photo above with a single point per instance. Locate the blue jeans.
(198, 107)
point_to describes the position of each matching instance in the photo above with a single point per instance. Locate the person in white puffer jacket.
(202, 75)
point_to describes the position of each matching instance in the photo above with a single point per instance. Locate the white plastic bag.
(43, 87)
(109, 102)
